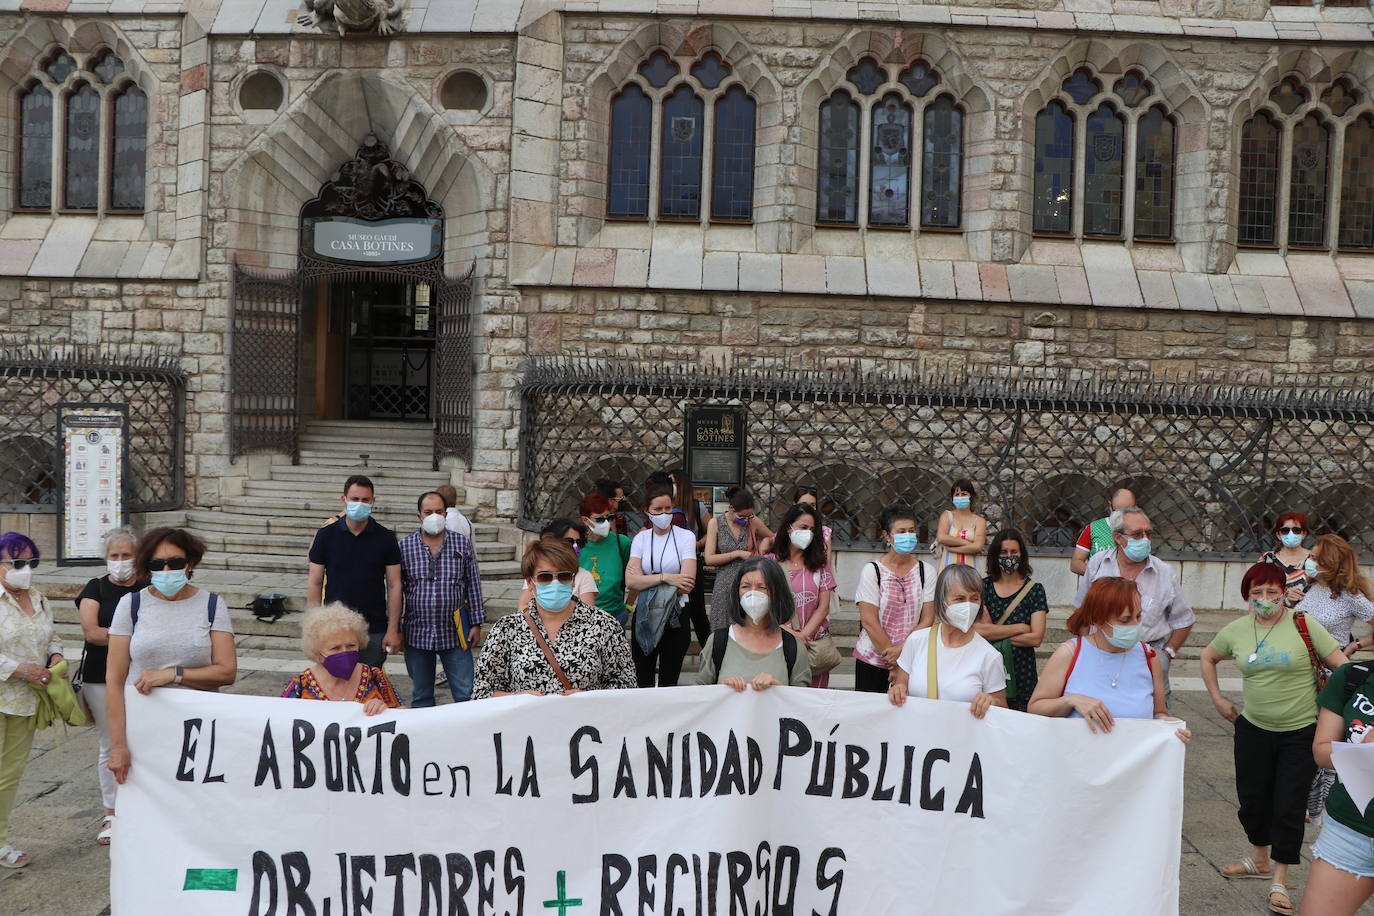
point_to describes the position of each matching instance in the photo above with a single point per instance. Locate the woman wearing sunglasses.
(557, 643)
(1299, 568)
(170, 634)
(28, 648)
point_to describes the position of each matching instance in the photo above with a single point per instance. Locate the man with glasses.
(1097, 535)
(356, 560)
(1165, 615)
(605, 555)
(443, 603)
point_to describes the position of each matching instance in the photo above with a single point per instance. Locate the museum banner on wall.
(93, 441)
(688, 800)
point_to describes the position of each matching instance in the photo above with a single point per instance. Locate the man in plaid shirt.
(443, 604)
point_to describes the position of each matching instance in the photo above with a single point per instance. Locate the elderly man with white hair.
(1165, 615)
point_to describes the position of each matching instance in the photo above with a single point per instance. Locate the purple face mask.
(341, 664)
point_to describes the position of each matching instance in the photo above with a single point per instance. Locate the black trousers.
(869, 678)
(666, 658)
(696, 610)
(1274, 770)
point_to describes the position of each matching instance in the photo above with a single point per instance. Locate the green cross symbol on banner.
(562, 901)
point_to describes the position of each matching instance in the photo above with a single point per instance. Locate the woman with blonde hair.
(332, 636)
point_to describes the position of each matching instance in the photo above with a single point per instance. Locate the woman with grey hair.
(96, 604)
(949, 660)
(332, 636)
(754, 649)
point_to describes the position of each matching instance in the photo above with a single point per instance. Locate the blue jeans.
(420, 664)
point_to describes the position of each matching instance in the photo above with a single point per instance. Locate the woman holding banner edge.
(756, 650)
(332, 636)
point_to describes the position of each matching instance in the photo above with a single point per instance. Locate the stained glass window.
(1103, 172)
(1081, 86)
(919, 79)
(867, 76)
(941, 167)
(1054, 170)
(1133, 89)
(1259, 181)
(732, 157)
(1289, 95)
(1307, 187)
(35, 148)
(837, 179)
(60, 66)
(128, 145)
(1339, 98)
(679, 192)
(631, 137)
(659, 69)
(1154, 176)
(710, 71)
(81, 186)
(889, 163)
(107, 67)
(1357, 185)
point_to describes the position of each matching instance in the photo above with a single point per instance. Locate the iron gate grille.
(1212, 460)
(455, 370)
(33, 381)
(264, 361)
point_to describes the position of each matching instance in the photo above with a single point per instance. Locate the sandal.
(1245, 868)
(107, 829)
(1285, 903)
(11, 857)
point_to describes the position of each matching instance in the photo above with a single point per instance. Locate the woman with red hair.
(1105, 672)
(1291, 556)
(1276, 651)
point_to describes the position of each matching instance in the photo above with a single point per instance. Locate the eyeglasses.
(22, 562)
(547, 578)
(1292, 531)
(600, 518)
(170, 563)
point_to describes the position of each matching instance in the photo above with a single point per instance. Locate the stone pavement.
(58, 815)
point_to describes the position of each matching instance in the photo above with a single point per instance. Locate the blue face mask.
(356, 512)
(1123, 637)
(904, 543)
(961, 502)
(170, 581)
(1291, 539)
(1137, 549)
(554, 596)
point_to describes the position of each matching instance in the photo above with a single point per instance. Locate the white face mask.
(962, 614)
(19, 578)
(432, 524)
(756, 604)
(120, 570)
(661, 522)
(801, 538)
(600, 529)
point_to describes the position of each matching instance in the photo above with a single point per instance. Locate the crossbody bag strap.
(932, 667)
(1016, 602)
(548, 653)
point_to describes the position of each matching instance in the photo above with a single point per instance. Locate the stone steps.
(302, 526)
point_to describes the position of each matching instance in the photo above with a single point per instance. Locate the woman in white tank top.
(1105, 673)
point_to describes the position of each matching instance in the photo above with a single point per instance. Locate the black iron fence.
(34, 380)
(1213, 460)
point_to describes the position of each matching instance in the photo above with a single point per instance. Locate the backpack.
(878, 576)
(135, 600)
(721, 638)
(1078, 647)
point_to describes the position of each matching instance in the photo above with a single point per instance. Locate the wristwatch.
(1171, 652)
(180, 672)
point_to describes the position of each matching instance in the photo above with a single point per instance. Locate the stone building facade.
(501, 110)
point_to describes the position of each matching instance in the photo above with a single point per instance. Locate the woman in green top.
(1274, 732)
(1342, 876)
(757, 652)
(605, 555)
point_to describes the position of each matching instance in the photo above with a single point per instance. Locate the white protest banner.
(688, 800)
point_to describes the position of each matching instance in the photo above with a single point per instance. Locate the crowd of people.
(614, 597)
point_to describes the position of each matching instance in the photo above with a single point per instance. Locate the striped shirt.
(437, 585)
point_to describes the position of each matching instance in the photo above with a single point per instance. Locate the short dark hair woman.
(755, 649)
(1016, 613)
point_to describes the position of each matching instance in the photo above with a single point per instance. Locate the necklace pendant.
(1254, 657)
(1113, 683)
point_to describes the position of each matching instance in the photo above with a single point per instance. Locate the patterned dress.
(1022, 657)
(807, 586)
(591, 648)
(1293, 576)
(727, 575)
(373, 685)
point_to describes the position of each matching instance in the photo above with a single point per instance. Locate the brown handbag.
(548, 653)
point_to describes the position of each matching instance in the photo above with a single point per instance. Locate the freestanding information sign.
(93, 441)
(715, 451)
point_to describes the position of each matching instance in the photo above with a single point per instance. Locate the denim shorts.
(1346, 849)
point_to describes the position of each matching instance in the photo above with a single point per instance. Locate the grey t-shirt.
(169, 633)
(742, 662)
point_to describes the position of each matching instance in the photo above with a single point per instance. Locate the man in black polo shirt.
(356, 560)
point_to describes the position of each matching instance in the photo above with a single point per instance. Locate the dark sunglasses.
(23, 562)
(546, 578)
(1292, 531)
(172, 563)
(600, 518)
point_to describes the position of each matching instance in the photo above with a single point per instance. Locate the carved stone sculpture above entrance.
(373, 186)
(380, 16)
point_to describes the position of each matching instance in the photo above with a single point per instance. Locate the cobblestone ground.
(58, 815)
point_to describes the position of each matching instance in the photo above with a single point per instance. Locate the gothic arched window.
(660, 117)
(870, 128)
(98, 107)
(1322, 191)
(1118, 139)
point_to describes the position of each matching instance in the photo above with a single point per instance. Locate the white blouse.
(23, 640)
